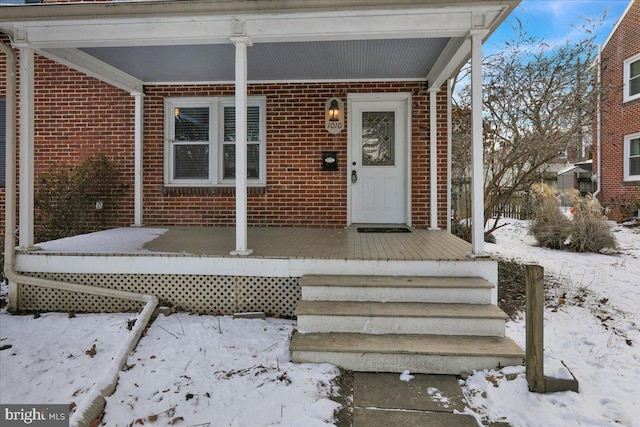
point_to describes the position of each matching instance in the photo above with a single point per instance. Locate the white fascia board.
(93, 67)
(380, 24)
(155, 264)
(252, 266)
(129, 32)
(362, 26)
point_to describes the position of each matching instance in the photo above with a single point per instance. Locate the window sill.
(198, 191)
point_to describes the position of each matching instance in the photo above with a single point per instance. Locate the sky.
(555, 20)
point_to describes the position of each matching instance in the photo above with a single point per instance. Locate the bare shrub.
(590, 231)
(66, 198)
(550, 227)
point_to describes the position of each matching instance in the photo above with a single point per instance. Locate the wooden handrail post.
(534, 327)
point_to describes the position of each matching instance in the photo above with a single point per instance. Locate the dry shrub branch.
(587, 231)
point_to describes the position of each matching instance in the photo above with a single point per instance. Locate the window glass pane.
(634, 166)
(191, 124)
(229, 161)
(634, 86)
(378, 138)
(191, 161)
(635, 69)
(634, 147)
(253, 123)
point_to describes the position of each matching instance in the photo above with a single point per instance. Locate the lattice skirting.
(194, 293)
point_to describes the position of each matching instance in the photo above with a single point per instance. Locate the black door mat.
(383, 230)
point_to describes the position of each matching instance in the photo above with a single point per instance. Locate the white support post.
(433, 159)
(26, 216)
(241, 146)
(477, 167)
(138, 162)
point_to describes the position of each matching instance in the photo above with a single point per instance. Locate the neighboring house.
(617, 156)
(577, 176)
(344, 107)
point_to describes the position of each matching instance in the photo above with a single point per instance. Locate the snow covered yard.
(592, 323)
(188, 370)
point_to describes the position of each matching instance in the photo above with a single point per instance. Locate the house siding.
(77, 116)
(618, 118)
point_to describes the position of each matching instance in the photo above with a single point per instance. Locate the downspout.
(93, 403)
(598, 120)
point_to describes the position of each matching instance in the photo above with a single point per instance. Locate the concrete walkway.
(383, 400)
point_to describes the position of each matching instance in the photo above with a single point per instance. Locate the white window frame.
(627, 157)
(216, 129)
(627, 77)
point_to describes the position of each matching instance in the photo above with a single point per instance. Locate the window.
(3, 142)
(632, 157)
(632, 78)
(200, 148)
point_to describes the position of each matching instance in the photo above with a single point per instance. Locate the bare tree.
(538, 102)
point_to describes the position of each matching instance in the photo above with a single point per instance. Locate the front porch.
(190, 267)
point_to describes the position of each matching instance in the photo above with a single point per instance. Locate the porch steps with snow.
(436, 325)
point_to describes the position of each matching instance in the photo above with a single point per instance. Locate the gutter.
(92, 405)
(598, 120)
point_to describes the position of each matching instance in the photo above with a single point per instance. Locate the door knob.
(354, 176)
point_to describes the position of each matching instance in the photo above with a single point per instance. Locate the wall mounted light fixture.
(334, 115)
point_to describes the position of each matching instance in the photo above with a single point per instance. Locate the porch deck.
(343, 244)
(192, 267)
(273, 243)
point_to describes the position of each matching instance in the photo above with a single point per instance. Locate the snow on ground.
(188, 370)
(52, 358)
(195, 370)
(592, 324)
(232, 373)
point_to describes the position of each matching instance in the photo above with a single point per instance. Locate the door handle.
(354, 176)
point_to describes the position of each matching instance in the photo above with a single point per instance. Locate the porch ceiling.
(129, 44)
(331, 60)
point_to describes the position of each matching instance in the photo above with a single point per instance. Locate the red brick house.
(617, 155)
(344, 110)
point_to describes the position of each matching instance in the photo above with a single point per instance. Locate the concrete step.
(400, 318)
(428, 354)
(467, 290)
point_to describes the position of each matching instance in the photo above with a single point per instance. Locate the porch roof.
(129, 44)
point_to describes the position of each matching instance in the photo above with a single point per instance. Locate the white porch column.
(26, 148)
(138, 154)
(477, 172)
(433, 160)
(241, 146)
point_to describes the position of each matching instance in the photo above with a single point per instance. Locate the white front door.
(377, 163)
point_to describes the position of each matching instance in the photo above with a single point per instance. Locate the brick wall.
(618, 118)
(298, 192)
(77, 116)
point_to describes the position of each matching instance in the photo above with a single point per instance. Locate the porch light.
(176, 112)
(334, 111)
(334, 115)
